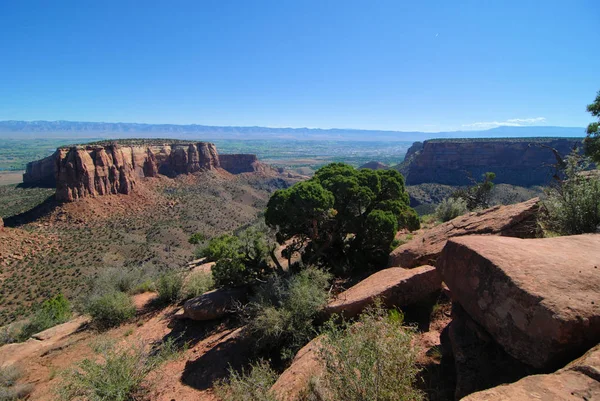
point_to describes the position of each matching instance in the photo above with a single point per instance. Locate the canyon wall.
(92, 170)
(518, 161)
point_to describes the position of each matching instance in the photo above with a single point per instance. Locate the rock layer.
(538, 298)
(83, 171)
(517, 220)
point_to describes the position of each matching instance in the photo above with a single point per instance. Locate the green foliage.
(197, 283)
(478, 195)
(573, 207)
(116, 374)
(346, 216)
(284, 310)
(253, 385)
(451, 208)
(196, 238)
(9, 389)
(110, 309)
(240, 260)
(53, 311)
(128, 280)
(169, 286)
(592, 141)
(373, 359)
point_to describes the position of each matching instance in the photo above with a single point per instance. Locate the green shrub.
(117, 374)
(115, 377)
(197, 283)
(248, 386)
(451, 208)
(373, 359)
(573, 207)
(284, 310)
(53, 311)
(196, 238)
(110, 309)
(169, 286)
(129, 280)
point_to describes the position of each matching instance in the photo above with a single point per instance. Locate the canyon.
(523, 161)
(115, 168)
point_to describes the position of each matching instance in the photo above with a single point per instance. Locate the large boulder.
(517, 220)
(295, 380)
(538, 298)
(394, 286)
(580, 380)
(213, 304)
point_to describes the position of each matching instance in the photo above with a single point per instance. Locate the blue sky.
(397, 65)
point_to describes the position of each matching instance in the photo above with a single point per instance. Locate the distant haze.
(78, 129)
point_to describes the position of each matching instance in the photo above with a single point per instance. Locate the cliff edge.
(102, 169)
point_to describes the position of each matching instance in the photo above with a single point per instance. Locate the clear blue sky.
(398, 65)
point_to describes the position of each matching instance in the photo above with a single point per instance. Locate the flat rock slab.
(538, 298)
(394, 286)
(213, 304)
(295, 379)
(517, 220)
(571, 383)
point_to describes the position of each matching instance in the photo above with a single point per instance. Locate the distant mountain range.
(78, 129)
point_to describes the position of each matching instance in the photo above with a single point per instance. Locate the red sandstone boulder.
(394, 286)
(580, 380)
(538, 298)
(213, 304)
(511, 221)
(295, 379)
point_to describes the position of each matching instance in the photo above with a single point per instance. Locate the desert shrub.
(110, 309)
(478, 195)
(285, 308)
(197, 238)
(451, 208)
(129, 280)
(53, 311)
(252, 385)
(240, 260)
(10, 333)
(197, 283)
(9, 389)
(573, 206)
(116, 374)
(372, 359)
(169, 287)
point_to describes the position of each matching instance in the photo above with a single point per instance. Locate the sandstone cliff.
(519, 161)
(92, 170)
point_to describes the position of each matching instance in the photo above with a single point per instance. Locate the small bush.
(284, 310)
(116, 377)
(9, 389)
(573, 207)
(53, 311)
(197, 283)
(128, 280)
(370, 360)
(451, 208)
(248, 386)
(117, 374)
(169, 287)
(110, 309)
(197, 238)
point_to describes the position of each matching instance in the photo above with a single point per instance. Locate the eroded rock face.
(87, 171)
(538, 298)
(454, 161)
(580, 380)
(394, 287)
(517, 220)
